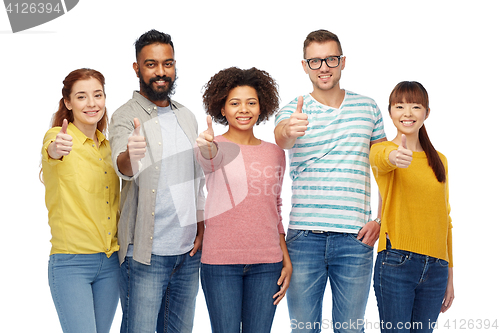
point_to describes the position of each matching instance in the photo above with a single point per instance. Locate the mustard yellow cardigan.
(415, 208)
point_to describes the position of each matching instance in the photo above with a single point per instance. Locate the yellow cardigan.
(415, 208)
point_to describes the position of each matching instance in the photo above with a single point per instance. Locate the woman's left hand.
(283, 282)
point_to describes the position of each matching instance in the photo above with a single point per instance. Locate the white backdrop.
(449, 46)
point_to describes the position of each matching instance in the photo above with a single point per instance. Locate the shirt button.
(153, 191)
(159, 143)
(153, 214)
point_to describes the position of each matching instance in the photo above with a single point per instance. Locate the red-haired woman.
(413, 276)
(82, 198)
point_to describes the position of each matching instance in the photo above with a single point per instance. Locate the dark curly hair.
(218, 88)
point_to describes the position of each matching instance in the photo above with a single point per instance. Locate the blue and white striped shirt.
(329, 165)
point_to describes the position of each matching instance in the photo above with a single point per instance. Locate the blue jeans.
(241, 296)
(162, 293)
(317, 257)
(410, 289)
(84, 288)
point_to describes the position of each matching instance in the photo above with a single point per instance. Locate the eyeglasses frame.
(324, 59)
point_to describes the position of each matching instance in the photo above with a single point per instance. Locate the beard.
(158, 93)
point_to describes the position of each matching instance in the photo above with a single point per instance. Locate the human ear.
(136, 68)
(68, 105)
(305, 66)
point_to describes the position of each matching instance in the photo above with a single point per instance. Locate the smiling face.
(155, 68)
(324, 78)
(408, 117)
(88, 103)
(242, 108)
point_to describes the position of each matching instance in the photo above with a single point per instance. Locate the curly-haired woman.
(245, 268)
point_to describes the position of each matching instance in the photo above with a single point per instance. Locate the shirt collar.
(146, 104)
(81, 138)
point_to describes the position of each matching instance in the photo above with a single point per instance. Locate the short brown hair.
(219, 86)
(321, 36)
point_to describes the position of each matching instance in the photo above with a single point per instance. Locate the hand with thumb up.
(297, 124)
(205, 141)
(403, 156)
(63, 143)
(136, 143)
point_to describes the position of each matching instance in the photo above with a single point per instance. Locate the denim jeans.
(84, 288)
(317, 257)
(410, 289)
(241, 296)
(162, 293)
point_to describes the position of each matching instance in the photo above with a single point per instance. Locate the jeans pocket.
(62, 257)
(394, 258)
(443, 263)
(360, 242)
(293, 234)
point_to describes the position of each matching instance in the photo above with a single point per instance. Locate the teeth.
(244, 119)
(324, 76)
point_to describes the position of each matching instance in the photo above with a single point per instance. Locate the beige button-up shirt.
(138, 196)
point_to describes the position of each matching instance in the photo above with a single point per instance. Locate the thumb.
(209, 123)
(300, 103)
(64, 128)
(403, 141)
(209, 133)
(137, 127)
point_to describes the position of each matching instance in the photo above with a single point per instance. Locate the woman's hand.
(449, 295)
(62, 145)
(286, 272)
(205, 141)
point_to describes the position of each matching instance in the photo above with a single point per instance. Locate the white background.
(451, 47)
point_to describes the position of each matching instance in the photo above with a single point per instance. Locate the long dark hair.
(63, 112)
(414, 92)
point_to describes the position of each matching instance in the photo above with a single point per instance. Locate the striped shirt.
(329, 165)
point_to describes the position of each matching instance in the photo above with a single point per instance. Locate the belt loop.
(306, 232)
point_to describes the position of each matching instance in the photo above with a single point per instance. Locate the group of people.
(150, 242)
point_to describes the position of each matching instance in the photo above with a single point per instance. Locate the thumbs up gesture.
(205, 141)
(403, 156)
(297, 124)
(63, 143)
(136, 143)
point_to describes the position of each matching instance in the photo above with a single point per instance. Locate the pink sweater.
(243, 207)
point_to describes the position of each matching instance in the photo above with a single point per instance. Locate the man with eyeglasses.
(331, 234)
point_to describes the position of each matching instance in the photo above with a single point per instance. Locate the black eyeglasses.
(316, 63)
